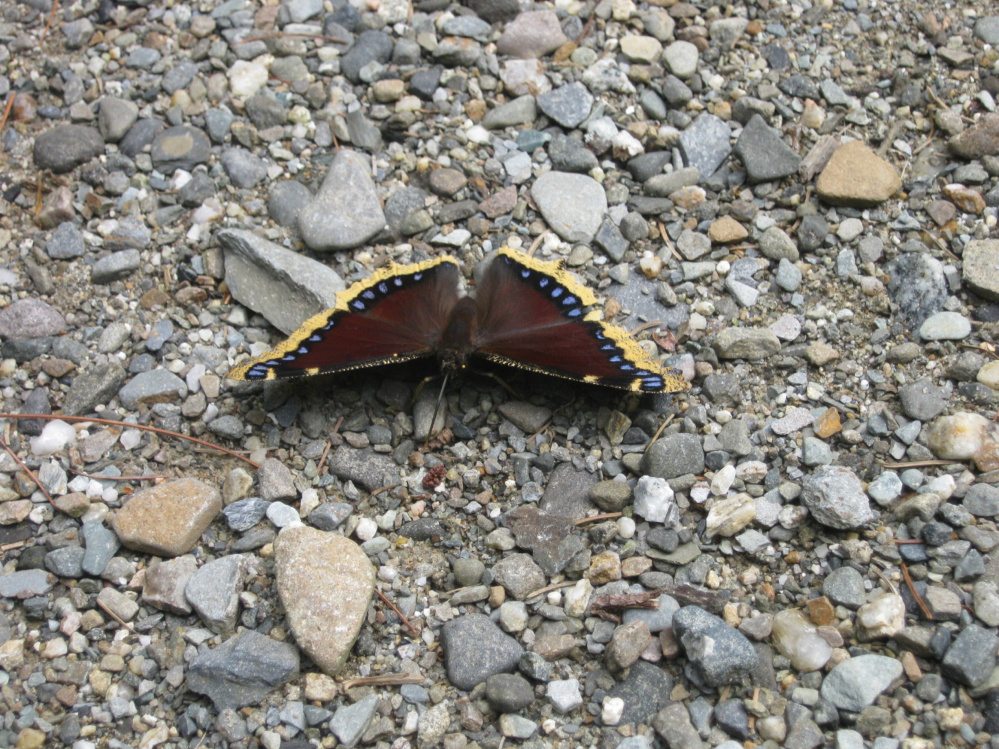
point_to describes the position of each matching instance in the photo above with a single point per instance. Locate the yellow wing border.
(263, 367)
(673, 381)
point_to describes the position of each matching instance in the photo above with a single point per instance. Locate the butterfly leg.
(419, 389)
(505, 386)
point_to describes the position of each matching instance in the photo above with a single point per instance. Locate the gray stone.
(243, 168)
(475, 649)
(922, 400)
(245, 513)
(64, 147)
(97, 385)
(155, 386)
(243, 670)
(370, 46)
(30, 318)
(65, 562)
(520, 111)
(573, 205)
(115, 266)
(674, 455)
(508, 693)
(284, 286)
(979, 261)
(718, 653)
(746, 343)
(764, 153)
(971, 658)
(917, 285)
(350, 722)
(366, 468)
(65, 243)
(213, 591)
(180, 147)
(346, 212)
(845, 587)
(855, 683)
(836, 498)
(100, 544)
(705, 143)
(519, 574)
(568, 105)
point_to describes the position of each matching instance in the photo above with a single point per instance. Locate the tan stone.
(74, 504)
(320, 687)
(968, 200)
(635, 566)
(168, 519)
(819, 354)
(856, 176)
(726, 230)
(14, 512)
(604, 568)
(325, 582)
(828, 424)
(641, 48)
(980, 260)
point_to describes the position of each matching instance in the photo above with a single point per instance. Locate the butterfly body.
(526, 313)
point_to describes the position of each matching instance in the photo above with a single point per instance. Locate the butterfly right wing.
(395, 315)
(533, 316)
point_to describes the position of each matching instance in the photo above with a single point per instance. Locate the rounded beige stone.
(325, 583)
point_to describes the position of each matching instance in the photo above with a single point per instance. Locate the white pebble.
(625, 527)
(612, 711)
(130, 438)
(54, 437)
(366, 529)
(722, 480)
(654, 501)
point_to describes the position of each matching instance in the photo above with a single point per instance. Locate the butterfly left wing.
(393, 316)
(532, 315)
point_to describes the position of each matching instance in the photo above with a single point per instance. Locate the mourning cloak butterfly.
(526, 313)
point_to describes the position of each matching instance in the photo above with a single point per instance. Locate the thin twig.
(398, 613)
(912, 589)
(322, 460)
(276, 34)
(660, 430)
(537, 242)
(889, 583)
(28, 471)
(550, 588)
(646, 326)
(538, 433)
(6, 110)
(983, 349)
(920, 463)
(143, 427)
(45, 31)
(113, 615)
(384, 680)
(12, 545)
(383, 489)
(595, 518)
(120, 478)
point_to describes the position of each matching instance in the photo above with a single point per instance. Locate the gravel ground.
(794, 204)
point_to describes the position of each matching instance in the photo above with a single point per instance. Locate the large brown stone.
(168, 519)
(856, 176)
(325, 582)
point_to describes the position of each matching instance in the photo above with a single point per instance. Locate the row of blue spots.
(543, 281)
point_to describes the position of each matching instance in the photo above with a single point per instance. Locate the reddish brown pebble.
(820, 611)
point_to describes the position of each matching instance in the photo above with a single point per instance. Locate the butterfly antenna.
(437, 409)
